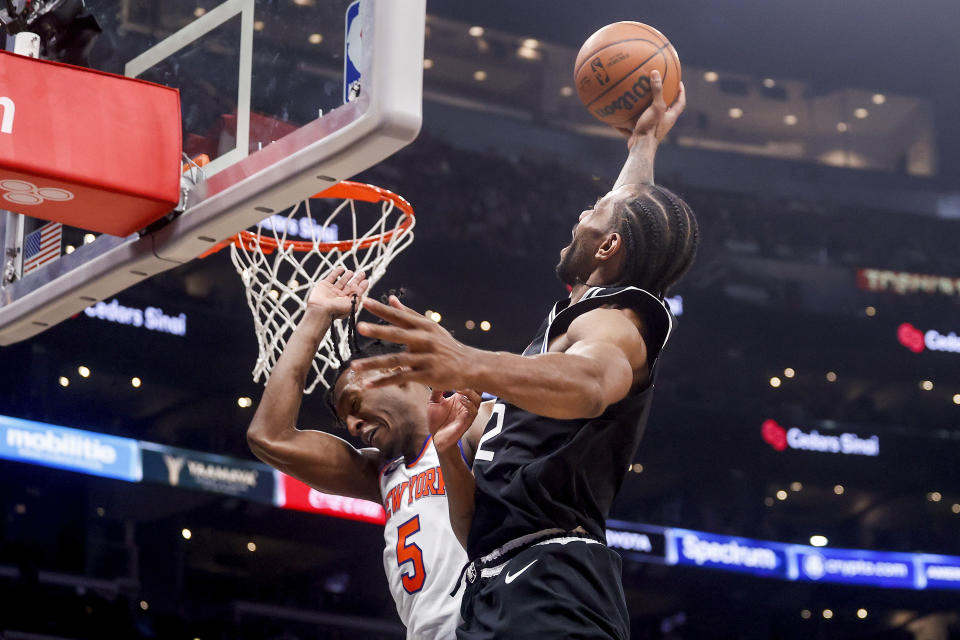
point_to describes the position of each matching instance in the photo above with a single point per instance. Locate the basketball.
(612, 72)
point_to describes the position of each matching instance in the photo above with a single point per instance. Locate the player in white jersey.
(399, 467)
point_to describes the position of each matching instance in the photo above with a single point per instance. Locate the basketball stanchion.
(279, 273)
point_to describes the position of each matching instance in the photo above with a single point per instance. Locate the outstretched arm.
(652, 126)
(604, 357)
(319, 459)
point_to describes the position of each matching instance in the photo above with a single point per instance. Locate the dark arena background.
(799, 477)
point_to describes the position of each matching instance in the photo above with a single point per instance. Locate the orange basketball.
(612, 73)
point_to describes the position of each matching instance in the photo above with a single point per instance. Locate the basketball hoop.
(279, 273)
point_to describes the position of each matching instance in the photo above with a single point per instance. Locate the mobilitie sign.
(72, 449)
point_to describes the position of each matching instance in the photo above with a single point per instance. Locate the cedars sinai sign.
(780, 439)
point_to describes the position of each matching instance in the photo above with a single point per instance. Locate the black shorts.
(558, 588)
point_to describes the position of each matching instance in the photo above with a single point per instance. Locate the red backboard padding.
(86, 148)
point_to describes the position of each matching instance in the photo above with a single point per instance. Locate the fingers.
(386, 332)
(436, 395)
(679, 103)
(470, 398)
(334, 274)
(396, 314)
(389, 361)
(656, 83)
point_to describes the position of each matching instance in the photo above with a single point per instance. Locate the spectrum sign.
(916, 340)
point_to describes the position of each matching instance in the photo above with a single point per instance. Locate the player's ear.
(610, 247)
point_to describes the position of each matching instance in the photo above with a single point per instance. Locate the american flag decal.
(41, 246)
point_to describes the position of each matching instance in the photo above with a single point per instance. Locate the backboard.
(285, 97)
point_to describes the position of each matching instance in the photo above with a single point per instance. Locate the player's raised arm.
(593, 370)
(450, 420)
(319, 459)
(651, 128)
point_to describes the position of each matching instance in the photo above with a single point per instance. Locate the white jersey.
(421, 556)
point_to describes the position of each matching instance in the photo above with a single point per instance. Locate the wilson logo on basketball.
(28, 194)
(627, 100)
(915, 340)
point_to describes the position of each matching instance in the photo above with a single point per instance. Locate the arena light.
(781, 495)
(144, 605)
(88, 238)
(870, 311)
(805, 614)
(251, 546)
(711, 76)
(485, 325)
(83, 371)
(956, 507)
(637, 468)
(101, 512)
(186, 533)
(775, 382)
(64, 381)
(862, 613)
(842, 127)
(69, 249)
(479, 75)
(796, 486)
(427, 63)
(860, 113)
(529, 53)
(926, 385)
(435, 316)
(934, 496)
(879, 98)
(818, 540)
(769, 83)
(838, 489)
(470, 325)
(258, 25)
(315, 38)
(476, 31)
(790, 119)
(531, 43)
(244, 402)
(735, 112)
(199, 11)
(789, 372)
(827, 614)
(956, 398)
(566, 91)
(831, 376)
(769, 501)
(135, 382)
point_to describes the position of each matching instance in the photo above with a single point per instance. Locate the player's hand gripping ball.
(612, 72)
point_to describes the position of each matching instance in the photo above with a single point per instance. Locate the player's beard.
(575, 263)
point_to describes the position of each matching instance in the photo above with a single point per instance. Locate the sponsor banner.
(906, 283)
(73, 449)
(207, 472)
(293, 494)
(856, 566)
(152, 318)
(698, 549)
(938, 572)
(639, 542)
(780, 439)
(916, 340)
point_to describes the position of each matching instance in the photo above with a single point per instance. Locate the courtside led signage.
(84, 451)
(916, 340)
(781, 439)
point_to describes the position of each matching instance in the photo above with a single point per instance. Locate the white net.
(288, 254)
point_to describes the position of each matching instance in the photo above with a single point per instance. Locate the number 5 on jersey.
(487, 455)
(410, 552)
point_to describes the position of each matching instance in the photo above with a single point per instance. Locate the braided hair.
(358, 350)
(660, 236)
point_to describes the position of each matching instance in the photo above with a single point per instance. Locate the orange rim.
(345, 190)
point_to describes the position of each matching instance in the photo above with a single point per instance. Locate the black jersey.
(535, 473)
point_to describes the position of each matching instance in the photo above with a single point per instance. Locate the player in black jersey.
(570, 412)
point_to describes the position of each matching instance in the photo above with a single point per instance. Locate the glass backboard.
(285, 98)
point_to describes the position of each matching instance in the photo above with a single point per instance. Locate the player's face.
(578, 259)
(384, 417)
